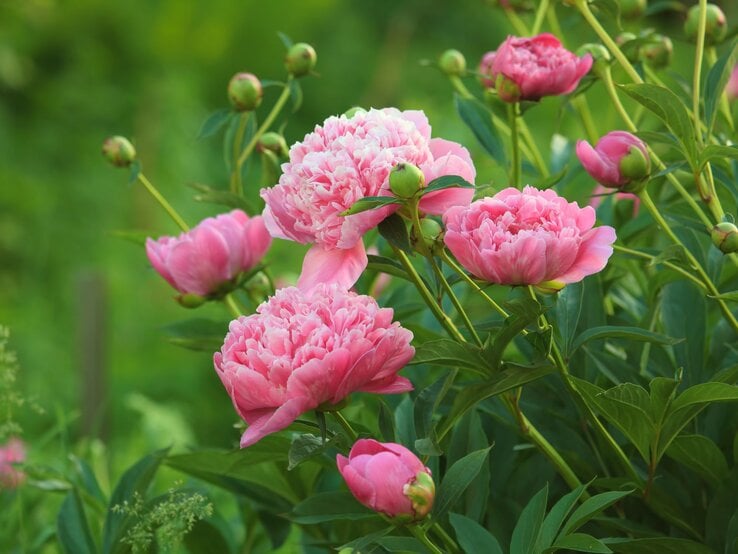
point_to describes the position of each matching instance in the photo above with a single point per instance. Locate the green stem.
(583, 7)
(553, 22)
(516, 22)
(236, 187)
(163, 202)
(612, 92)
(230, 303)
(673, 267)
(540, 14)
(512, 110)
(343, 422)
(711, 55)
(533, 153)
(453, 265)
(447, 540)
(279, 104)
(582, 107)
(697, 73)
(420, 534)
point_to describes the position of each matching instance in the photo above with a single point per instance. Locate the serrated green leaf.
(329, 506)
(580, 542)
(701, 455)
(456, 479)
(616, 332)
(370, 203)
(591, 508)
(479, 119)
(528, 528)
(72, 529)
(715, 83)
(214, 123)
(472, 537)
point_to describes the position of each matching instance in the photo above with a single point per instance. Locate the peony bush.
(541, 363)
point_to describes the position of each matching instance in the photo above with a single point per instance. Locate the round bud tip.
(657, 53)
(119, 151)
(632, 9)
(273, 142)
(452, 63)
(716, 25)
(245, 92)
(725, 236)
(405, 180)
(301, 59)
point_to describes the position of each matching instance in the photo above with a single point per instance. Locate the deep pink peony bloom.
(347, 159)
(528, 237)
(486, 74)
(388, 478)
(620, 160)
(211, 254)
(536, 67)
(13, 452)
(304, 348)
(732, 87)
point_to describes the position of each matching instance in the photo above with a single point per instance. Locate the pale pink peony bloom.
(13, 452)
(347, 159)
(732, 87)
(388, 478)
(536, 67)
(211, 254)
(620, 160)
(486, 75)
(528, 237)
(305, 348)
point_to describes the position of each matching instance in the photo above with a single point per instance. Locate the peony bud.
(632, 9)
(657, 53)
(388, 478)
(600, 56)
(351, 112)
(119, 151)
(405, 180)
(716, 25)
(629, 48)
(301, 59)
(273, 142)
(245, 92)
(507, 89)
(620, 161)
(725, 236)
(452, 63)
(432, 234)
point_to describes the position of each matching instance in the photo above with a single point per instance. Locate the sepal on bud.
(635, 167)
(273, 142)
(245, 92)
(301, 59)
(421, 492)
(431, 233)
(600, 56)
(507, 89)
(190, 300)
(657, 53)
(119, 151)
(725, 236)
(549, 287)
(716, 25)
(405, 180)
(351, 112)
(452, 63)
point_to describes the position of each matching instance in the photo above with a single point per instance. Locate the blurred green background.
(73, 72)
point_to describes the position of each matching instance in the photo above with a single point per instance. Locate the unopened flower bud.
(119, 151)
(421, 492)
(301, 59)
(716, 25)
(725, 236)
(635, 167)
(190, 300)
(351, 112)
(620, 160)
(632, 9)
(245, 92)
(274, 142)
(600, 56)
(657, 53)
(431, 233)
(452, 63)
(629, 48)
(405, 180)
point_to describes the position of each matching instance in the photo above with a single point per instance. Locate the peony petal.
(341, 266)
(594, 252)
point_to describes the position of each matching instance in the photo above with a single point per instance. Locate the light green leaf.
(701, 455)
(446, 182)
(717, 151)
(370, 203)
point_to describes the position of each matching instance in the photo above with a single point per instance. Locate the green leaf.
(567, 312)
(662, 390)
(135, 171)
(715, 83)
(617, 332)
(554, 519)
(358, 545)
(424, 406)
(717, 151)
(388, 266)
(579, 542)
(670, 109)
(286, 40)
(214, 123)
(524, 312)
(701, 455)
(220, 197)
(329, 506)
(136, 480)
(370, 203)
(729, 296)
(511, 377)
(197, 334)
(446, 182)
(394, 230)
(304, 447)
(295, 95)
(660, 545)
(528, 528)
(72, 529)
(472, 537)
(479, 119)
(209, 535)
(456, 479)
(447, 352)
(591, 508)
(404, 545)
(136, 237)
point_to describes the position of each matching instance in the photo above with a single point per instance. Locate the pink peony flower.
(732, 87)
(347, 159)
(13, 452)
(620, 160)
(528, 237)
(203, 259)
(388, 478)
(304, 348)
(532, 68)
(486, 75)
